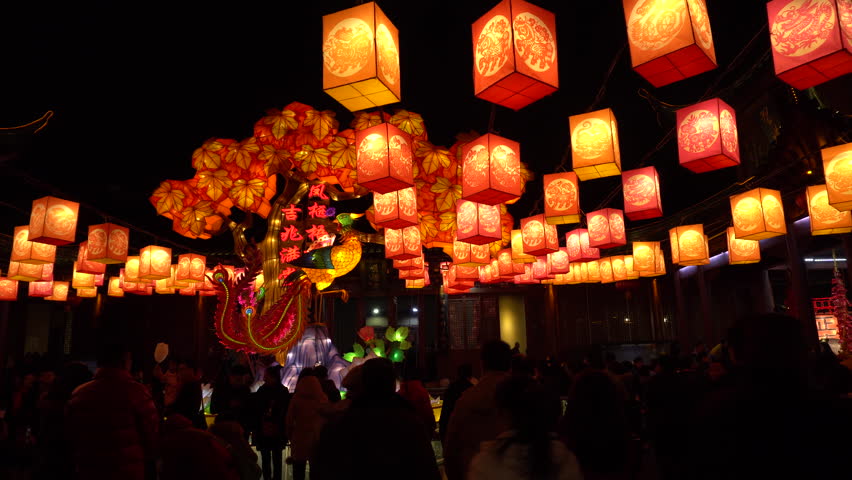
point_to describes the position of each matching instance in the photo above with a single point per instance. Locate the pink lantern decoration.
(707, 136)
(538, 236)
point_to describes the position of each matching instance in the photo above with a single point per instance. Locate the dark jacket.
(270, 410)
(451, 396)
(188, 452)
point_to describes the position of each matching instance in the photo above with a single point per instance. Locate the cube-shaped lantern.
(155, 263)
(360, 53)
(629, 265)
(689, 245)
(191, 268)
(384, 158)
(82, 280)
(707, 136)
(837, 166)
(561, 198)
(606, 228)
(505, 266)
(40, 289)
(826, 219)
(811, 40)
(518, 255)
(758, 214)
(25, 272)
(659, 263)
(8, 289)
(742, 251)
(188, 291)
(605, 270)
(594, 269)
(131, 269)
(466, 273)
(579, 273)
(114, 289)
(641, 188)
(107, 243)
(415, 263)
(84, 265)
(669, 39)
(540, 269)
(538, 236)
(25, 251)
(396, 209)
(468, 254)
(559, 262)
(415, 283)
(645, 256)
(91, 292)
(60, 292)
(477, 223)
(594, 144)
(47, 272)
(403, 243)
(491, 170)
(526, 278)
(577, 245)
(514, 54)
(619, 268)
(53, 221)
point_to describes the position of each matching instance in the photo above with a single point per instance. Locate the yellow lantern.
(689, 245)
(33, 253)
(825, 219)
(90, 292)
(605, 269)
(837, 166)
(594, 145)
(758, 214)
(518, 255)
(659, 263)
(114, 288)
(82, 280)
(155, 263)
(644, 256)
(742, 251)
(60, 292)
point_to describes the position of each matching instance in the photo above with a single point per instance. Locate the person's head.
(114, 355)
(186, 371)
(353, 382)
(378, 378)
(272, 375)
(666, 364)
(306, 372)
(496, 356)
(72, 375)
(239, 376)
(638, 362)
(321, 372)
(46, 378)
(465, 371)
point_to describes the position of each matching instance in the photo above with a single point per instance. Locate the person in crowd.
(187, 399)
(529, 449)
(452, 394)
(412, 390)
(54, 459)
(111, 422)
(270, 408)
(669, 399)
(516, 350)
(402, 446)
(232, 396)
(188, 452)
(475, 418)
(164, 384)
(231, 432)
(327, 384)
(304, 423)
(23, 416)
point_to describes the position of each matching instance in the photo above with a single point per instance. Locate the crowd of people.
(758, 405)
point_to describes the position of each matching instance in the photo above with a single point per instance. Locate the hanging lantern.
(40, 289)
(179, 283)
(629, 265)
(579, 273)
(644, 256)
(594, 269)
(415, 263)
(758, 214)
(188, 291)
(164, 286)
(34, 253)
(514, 54)
(594, 144)
(60, 292)
(539, 269)
(131, 269)
(491, 170)
(689, 246)
(47, 272)
(527, 277)
(577, 245)
(114, 289)
(477, 223)
(559, 262)
(395, 209)
(8, 289)
(504, 263)
(811, 40)
(25, 272)
(641, 189)
(742, 251)
(707, 136)
(619, 269)
(87, 292)
(825, 219)
(605, 269)
(403, 243)
(669, 39)
(561, 198)
(360, 53)
(467, 254)
(190, 268)
(466, 273)
(107, 243)
(538, 236)
(53, 221)
(659, 263)
(85, 266)
(415, 283)
(384, 158)
(837, 166)
(518, 255)
(82, 280)
(606, 228)
(155, 263)
(99, 280)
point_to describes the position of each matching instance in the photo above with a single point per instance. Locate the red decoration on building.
(291, 213)
(477, 223)
(561, 198)
(395, 209)
(385, 158)
(606, 228)
(707, 136)
(578, 248)
(538, 236)
(491, 170)
(403, 243)
(53, 221)
(841, 311)
(641, 188)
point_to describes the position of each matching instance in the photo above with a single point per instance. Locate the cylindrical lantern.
(91, 292)
(559, 262)
(826, 219)
(561, 198)
(811, 40)
(191, 268)
(837, 166)
(644, 256)
(689, 245)
(155, 263)
(53, 221)
(384, 158)
(641, 188)
(25, 272)
(114, 289)
(518, 255)
(467, 254)
(605, 270)
(108, 243)
(606, 228)
(594, 269)
(491, 170)
(84, 265)
(60, 292)
(8, 289)
(758, 214)
(669, 39)
(707, 136)
(40, 289)
(538, 236)
(477, 223)
(34, 253)
(396, 209)
(619, 268)
(403, 243)
(742, 251)
(577, 245)
(594, 144)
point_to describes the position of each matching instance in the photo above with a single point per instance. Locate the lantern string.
(492, 116)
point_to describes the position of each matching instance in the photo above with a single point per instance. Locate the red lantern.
(689, 245)
(40, 289)
(384, 158)
(538, 236)
(188, 291)
(504, 264)
(826, 219)
(594, 144)
(477, 223)
(577, 245)
(605, 269)
(837, 166)
(518, 255)
(527, 277)
(559, 262)
(47, 272)
(742, 251)
(85, 266)
(395, 209)
(707, 136)
(360, 58)
(87, 292)
(540, 269)
(645, 256)
(8, 289)
(467, 254)
(53, 221)
(561, 198)
(25, 272)
(758, 214)
(514, 52)
(34, 253)
(107, 243)
(491, 170)
(811, 40)
(669, 39)
(403, 243)
(641, 189)
(114, 289)
(190, 268)
(155, 263)
(415, 263)
(606, 228)
(60, 292)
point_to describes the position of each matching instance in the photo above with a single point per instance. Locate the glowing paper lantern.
(82, 280)
(559, 262)
(415, 283)
(577, 246)
(8, 289)
(99, 280)
(579, 273)
(164, 286)
(40, 289)
(466, 273)
(594, 144)
(384, 158)
(758, 214)
(669, 39)
(837, 165)
(594, 269)
(540, 269)
(606, 228)
(491, 170)
(403, 243)
(188, 291)
(191, 268)
(107, 243)
(131, 269)
(641, 188)
(707, 136)
(629, 265)
(605, 269)
(477, 223)
(811, 40)
(742, 251)
(85, 266)
(155, 263)
(518, 255)
(114, 289)
(467, 254)
(34, 253)
(659, 263)
(688, 245)
(645, 256)
(47, 272)
(53, 221)
(619, 268)
(527, 277)
(60, 292)
(504, 263)
(415, 263)
(538, 236)
(87, 292)
(25, 272)
(826, 219)
(395, 209)
(514, 54)
(561, 198)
